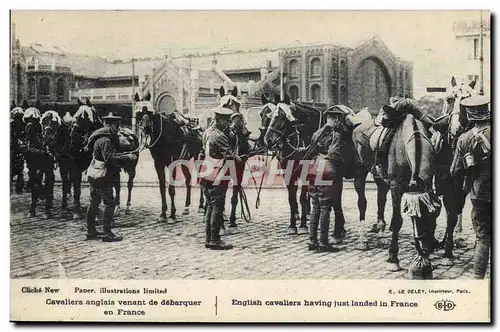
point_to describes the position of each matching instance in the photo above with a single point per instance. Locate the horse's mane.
(305, 113)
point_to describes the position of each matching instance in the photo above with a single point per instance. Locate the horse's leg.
(292, 202)
(396, 223)
(304, 207)
(420, 267)
(49, 190)
(130, 185)
(66, 183)
(359, 185)
(76, 179)
(117, 186)
(19, 181)
(234, 204)
(201, 206)
(160, 171)
(35, 191)
(187, 177)
(171, 193)
(339, 232)
(382, 190)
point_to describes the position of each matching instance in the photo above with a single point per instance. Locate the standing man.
(473, 160)
(104, 143)
(217, 152)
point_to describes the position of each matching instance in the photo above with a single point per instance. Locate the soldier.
(104, 143)
(473, 160)
(327, 148)
(217, 151)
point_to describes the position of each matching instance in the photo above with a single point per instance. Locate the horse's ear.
(136, 97)
(235, 92)
(263, 98)
(222, 92)
(472, 84)
(79, 102)
(25, 105)
(453, 81)
(13, 105)
(87, 101)
(38, 104)
(277, 98)
(148, 96)
(287, 99)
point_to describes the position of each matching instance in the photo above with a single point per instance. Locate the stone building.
(364, 76)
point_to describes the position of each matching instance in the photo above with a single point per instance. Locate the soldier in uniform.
(104, 143)
(472, 160)
(327, 148)
(217, 151)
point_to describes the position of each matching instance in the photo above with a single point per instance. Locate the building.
(364, 76)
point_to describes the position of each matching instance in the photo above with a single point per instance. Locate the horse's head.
(230, 100)
(237, 123)
(282, 123)
(51, 122)
(268, 106)
(86, 116)
(16, 118)
(31, 118)
(144, 112)
(458, 115)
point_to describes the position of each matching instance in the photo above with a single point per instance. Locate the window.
(476, 48)
(316, 93)
(31, 88)
(401, 84)
(60, 89)
(316, 67)
(45, 86)
(335, 65)
(343, 95)
(343, 68)
(294, 68)
(294, 93)
(335, 93)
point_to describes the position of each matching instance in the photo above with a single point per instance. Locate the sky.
(126, 34)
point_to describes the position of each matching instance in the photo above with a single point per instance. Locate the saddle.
(126, 138)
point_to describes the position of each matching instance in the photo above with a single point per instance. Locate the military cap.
(223, 112)
(337, 110)
(235, 114)
(477, 107)
(111, 118)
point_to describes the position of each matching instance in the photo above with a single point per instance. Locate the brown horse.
(168, 144)
(411, 172)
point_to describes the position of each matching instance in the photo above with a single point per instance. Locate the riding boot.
(324, 227)
(107, 219)
(208, 228)
(215, 225)
(480, 259)
(339, 232)
(313, 228)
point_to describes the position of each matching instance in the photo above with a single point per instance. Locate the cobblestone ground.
(56, 248)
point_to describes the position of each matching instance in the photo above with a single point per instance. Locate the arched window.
(335, 65)
(401, 84)
(45, 86)
(316, 67)
(31, 88)
(316, 93)
(293, 91)
(294, 68)
(61, 89)
(343, 95)
(335, 93)
(343, 68)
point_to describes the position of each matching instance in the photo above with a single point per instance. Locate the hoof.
(201, 210)
(291, 231)
(233, 229)
(77, 216)
(117, 211)
(162, 219)
(303, 230)
(172, 219)
(420, 273)
(362, 245)
(379, 226)
(64, 207)
(393, 267)
(47, 215)
(381, 242)
(222, 232)
(32, 214)
(185, 212)
(127, 211)
(336, 240)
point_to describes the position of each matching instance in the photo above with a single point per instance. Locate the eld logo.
(445, 305)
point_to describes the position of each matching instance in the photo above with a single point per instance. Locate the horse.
(40, 161)
(448, 128)
(411, 170)
(85, 121)
(16, 155)
(290, 127)
(169, 143)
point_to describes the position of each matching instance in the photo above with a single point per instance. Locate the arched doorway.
(371, 85)
(167, 104)
(293, 91)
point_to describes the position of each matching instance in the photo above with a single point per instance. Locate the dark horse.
(290, 128)
(16, 155)
(411, 172)
(449, 126)
(170, 142)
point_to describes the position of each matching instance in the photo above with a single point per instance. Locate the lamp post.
(133, 94)
(481, 57)
(282, 93)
